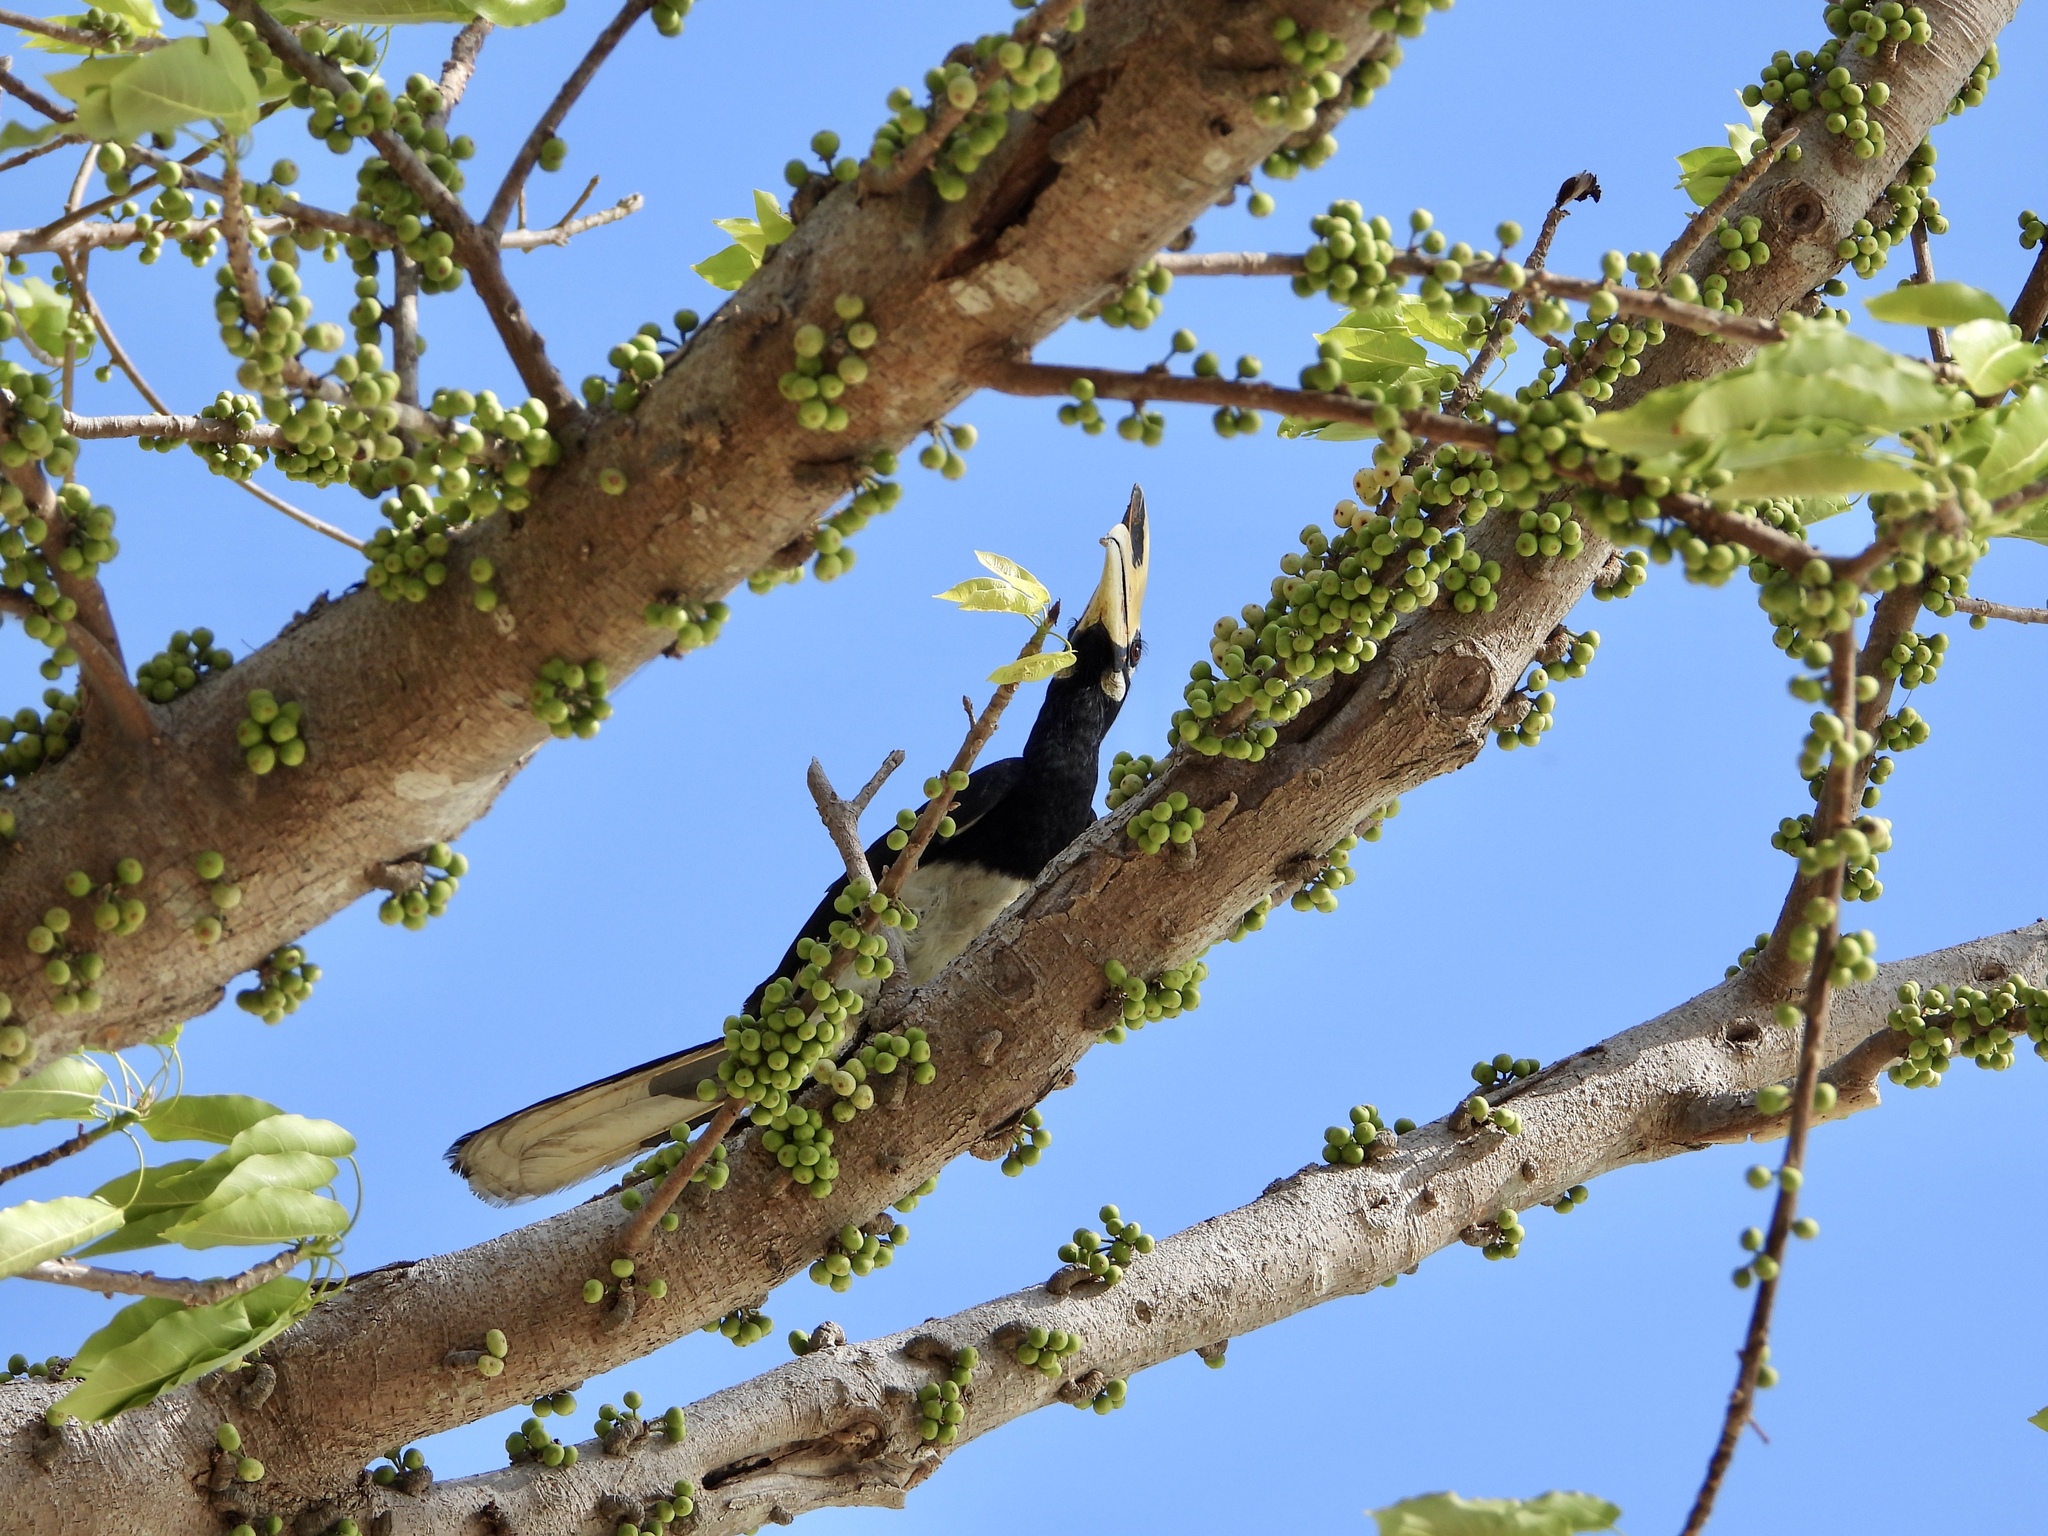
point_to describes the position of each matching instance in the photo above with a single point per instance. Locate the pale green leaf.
(164, 1185)
(518, 13)
(1445, 1514)
(729, 268)
(1934, 304)
(1032, 669)
(183, 82)
(154, 1345)
(1326, 431)
(37, 1230)
(67, 1089)
(1992, 356)
(219, 1117)
(1381, 345)
(775, 224)
(985, 594)
(1822, 372)
(144, 1231)
(376, 13)
(2039, 1420)
(274, 1215)
(1830, 472)
(293, 1133)
(2014, 447)
(1015, 574)
(1648, 426)
(1703, 172)
(16, 136)
(266, 1170)
(42, 311)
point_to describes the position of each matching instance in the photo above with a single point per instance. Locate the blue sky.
(629, 890)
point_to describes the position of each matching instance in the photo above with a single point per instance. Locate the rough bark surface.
(416, 715)
(840, 1426)
(365, 1371)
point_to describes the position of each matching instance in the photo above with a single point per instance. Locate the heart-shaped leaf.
(1934, 304)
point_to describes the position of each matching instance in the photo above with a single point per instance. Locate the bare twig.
(190, 429)
(37, 153)
(2012, 501)
(557, 110)
(476, 247)
(303, 518)
(1040, 26)
(86, 1137)
(566, 228)
(30, 97)
(1923, 272)
(1229, 263)
(1982, 609)
(234, 224)
(1836, 808)
(461, 65)
(78, 37)
(641, 1227)
(1510, 311)
(1702, 224)
(405, 326)
(193, 1293)
(842, 817)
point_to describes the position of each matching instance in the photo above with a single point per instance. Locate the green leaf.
(67, 1089)
(293, 1133)
(1010, 571)
(219, 1117)
(1992, 356)
(2039, 1420)
(774, 223)
(1704, 172)
(728, 268)
(277, 1214)
(1327, 431)
(2008, 446)
(1445, 1514)
(1822, 372)
(985, 594)
(42, 311)
(379, 13)
(37, 1230)
(15, 136)
(1934, 304)
(1829, 472)
(1032, 669)
(518, 13)
(144, 1231)
(156, 1344)
(266, 1170)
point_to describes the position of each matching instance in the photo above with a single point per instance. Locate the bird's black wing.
(575, 1135)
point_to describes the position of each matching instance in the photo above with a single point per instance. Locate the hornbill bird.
(1009, 822)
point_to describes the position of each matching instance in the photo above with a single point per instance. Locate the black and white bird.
(1010, 822)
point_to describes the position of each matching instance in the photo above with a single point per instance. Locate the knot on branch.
(47, 1442)
(986, 1046)
(257, 1383)
(1072, 1277)
(925, 1349)
(827, 1335)
(1212, 1354)
(1080, 1391)
(617, 1509)
(397, 877)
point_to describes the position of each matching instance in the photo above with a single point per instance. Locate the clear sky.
(627, 892)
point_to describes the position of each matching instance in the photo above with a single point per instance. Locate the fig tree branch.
(839, 1426)
(193, 1293)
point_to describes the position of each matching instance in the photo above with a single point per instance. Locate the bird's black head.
(1082, 701)
(1105, 639)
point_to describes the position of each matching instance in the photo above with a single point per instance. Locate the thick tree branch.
(1419, 711)
(460, 67)
(2030, 309)
(839, 1427)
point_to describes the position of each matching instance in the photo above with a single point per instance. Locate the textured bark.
(415, 715)
(365, 1371)
(839, 1426)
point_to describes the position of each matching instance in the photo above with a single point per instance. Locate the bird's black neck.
(1064, 751)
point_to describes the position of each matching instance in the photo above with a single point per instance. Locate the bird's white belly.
(953, 903)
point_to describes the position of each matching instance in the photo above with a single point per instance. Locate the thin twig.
(558, 110)
(641, 1227)
(1510, 311)
(86, 1137)
(30, 97)
(1982, 609)
(2012, 501)
(1040, 26)
(1923, 272)
(476, 247)
(1836, 808)
(193, 1293)
(565, 229)
(78, 37)
(1702, 224)
(190, 429)
(234, 224)
(842, 817)
(304, 519)
(1696, 512)
(37, 153)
